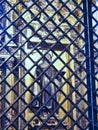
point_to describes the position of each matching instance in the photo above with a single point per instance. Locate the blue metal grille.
(48, 65)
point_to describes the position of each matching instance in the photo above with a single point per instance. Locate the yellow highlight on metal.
(12, 1)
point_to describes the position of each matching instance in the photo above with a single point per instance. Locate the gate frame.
(87, 6)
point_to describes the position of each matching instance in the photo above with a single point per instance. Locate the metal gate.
(48, 65)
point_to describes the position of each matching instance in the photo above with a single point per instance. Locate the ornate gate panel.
(48, 65)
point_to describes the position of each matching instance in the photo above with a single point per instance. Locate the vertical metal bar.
(89, 61)
(20, 91)
(20, 103)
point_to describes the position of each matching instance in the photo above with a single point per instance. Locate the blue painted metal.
(91, 112)
(89, 39)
